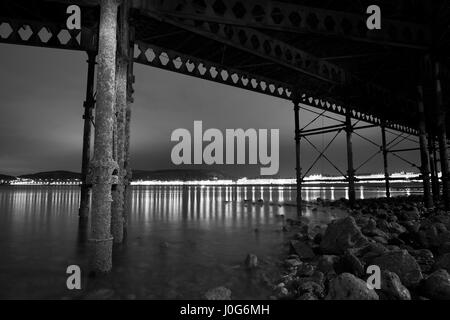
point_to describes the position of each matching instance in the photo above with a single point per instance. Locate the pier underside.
(318, 54)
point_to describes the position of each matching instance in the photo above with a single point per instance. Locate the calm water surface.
(181, 241)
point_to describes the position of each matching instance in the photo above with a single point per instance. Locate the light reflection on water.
(181, 240)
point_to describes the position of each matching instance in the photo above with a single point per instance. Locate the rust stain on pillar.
(103, 164)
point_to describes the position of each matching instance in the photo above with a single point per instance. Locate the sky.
(42, 92)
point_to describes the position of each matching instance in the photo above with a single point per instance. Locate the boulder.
(100, 294)
(219, 293)
(444, 248)
(327, 263)
(437, 285)
(395, 227)
(392, 287)
(401, 263)
(251, 261)
(443, 263)
(340, 235)
(348, 287)
(292, 263)
(301, 249)
(307, 296)
(305, 270)
(351, 263)
(411, 214)
(424, 258)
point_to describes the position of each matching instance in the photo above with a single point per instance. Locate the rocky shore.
(409, 243)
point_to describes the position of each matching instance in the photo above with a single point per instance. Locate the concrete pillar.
(385, 160)
(103, 164)
(298, 168)
(117, 213)
(442, 138)
(89, 103)
(350, 171)
(424, 156)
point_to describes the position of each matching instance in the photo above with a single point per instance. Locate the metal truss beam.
(257, 43)
(174, 61)
(266, 47)
(287, 17)
(50, 35)
(34, 33)
(178, 62)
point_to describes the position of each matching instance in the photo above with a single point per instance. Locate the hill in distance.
(52, 175)
(162, 175)
(180, 174)
(5, 177)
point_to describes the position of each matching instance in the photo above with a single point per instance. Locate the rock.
(281, 291)
(310, 287)
(443, 263)
(392, 288)
(327, 263)
(411, 214)
(100, 294)
(307, 296)
(340, 235)
(301, 249)
(424, 258)
(251, 261)
(164, 245)
(395, 227)
(381, 240)
(437, 285)
(292, 263)
(444, 248)
(317, 238)
(375, 232)
(383, 225)
(350, 263)
(348, 287)
(401, 263)
(411, 226)
(305, 270)
(219, 293)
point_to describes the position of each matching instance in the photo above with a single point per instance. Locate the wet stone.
(403, 264)
(348, 287)
(219, 293)
(437, 285)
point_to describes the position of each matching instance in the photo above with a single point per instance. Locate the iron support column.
(424, 156)
(127, 157)
(103, 165)
(350, 171)
(385, 160)
(442, 138)
(298, 168)
(117, 217)
(434, 176)
(88, 107)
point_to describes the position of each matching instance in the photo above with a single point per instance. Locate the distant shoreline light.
(402, 177)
